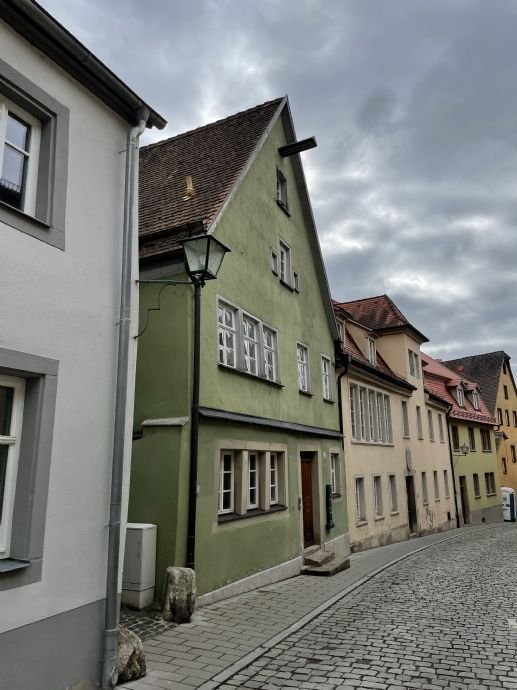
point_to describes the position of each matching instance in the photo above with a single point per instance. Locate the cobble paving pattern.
(441, 619)
(237, 630)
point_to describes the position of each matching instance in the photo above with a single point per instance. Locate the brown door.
(464, 500)
(411, 504)
(308, 527)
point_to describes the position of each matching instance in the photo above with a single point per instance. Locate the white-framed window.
(446, 483)
(302, 358)
(250, 337)
(430, 425)
(281, 189)
(250, 482)
(296, 281)
(372, 351)
(370, 415)
(414, 364)
(394, 506)
(12, 391)
(335, 473)
(226, 328)
(19, 154)
(377, 496)
(253, 481)
(274, 262)
(285, 263)
(341, 331)
(425, 496)
(405, 420)
(460, 397)
(325, 377)
(226, 482)
(419, 423)
(440, 428)
(360, 507)
(273, 478)
(475, 400)
(436, 486)
(270, 353)
(245, 343)
(499, 416)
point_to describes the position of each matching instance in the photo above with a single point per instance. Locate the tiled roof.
(485, 370)
(378, 313)
(439, 381)
(214, 156)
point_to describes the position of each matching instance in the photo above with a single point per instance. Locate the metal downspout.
(452, 468)
(109, 663)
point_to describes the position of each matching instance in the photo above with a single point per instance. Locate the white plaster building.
(65, 123)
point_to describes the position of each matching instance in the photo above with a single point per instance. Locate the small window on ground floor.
(360, 504)
(393, 493)
(377, 496)
(477, 488)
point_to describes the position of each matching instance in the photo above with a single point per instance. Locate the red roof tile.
(214, 156)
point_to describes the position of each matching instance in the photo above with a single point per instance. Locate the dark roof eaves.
(382, 374)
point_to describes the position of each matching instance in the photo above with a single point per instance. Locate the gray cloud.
(414, 105)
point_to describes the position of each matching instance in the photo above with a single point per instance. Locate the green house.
(270, 477)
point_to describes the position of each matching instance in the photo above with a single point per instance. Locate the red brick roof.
(378, 313)
(214, 156)
(442, 382)
(486, 370)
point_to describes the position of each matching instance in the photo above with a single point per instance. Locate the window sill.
(329, 401)
(437, 499)
(379, 517)
(394, 512)
(337, 495)
(26, 216)
(361, 523)
(425, 503)
(380, 444)
(247, 374)
(8, 565)
(494, 494)
(307, 393)
(478, 496)
(283, 207)
(286, 285)
(408, 437)
(233, 517)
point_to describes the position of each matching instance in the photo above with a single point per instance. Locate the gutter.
(344, 361)
(109, 662)
(46, 34)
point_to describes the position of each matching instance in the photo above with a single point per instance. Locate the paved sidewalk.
(225, 637)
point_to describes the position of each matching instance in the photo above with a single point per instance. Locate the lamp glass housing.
(464, 449)
(203, 257)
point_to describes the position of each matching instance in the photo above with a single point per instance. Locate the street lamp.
(464, 449)
(203, 258)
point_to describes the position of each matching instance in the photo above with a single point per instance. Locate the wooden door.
(411, 504)
(307, 504)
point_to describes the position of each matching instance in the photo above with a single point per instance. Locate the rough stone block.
(130, 656)
(180, 595)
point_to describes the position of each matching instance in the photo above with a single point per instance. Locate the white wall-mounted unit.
(139, 565)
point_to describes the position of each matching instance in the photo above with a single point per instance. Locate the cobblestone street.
(444, 617)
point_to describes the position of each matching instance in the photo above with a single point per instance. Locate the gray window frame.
(24, 566)
(48, 222)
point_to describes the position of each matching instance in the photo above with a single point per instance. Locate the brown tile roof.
(379, 313)
(485, 369)
(441, 381)
(214, 156)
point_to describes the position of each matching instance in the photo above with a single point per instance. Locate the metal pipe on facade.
(109, 663)
(452, 468)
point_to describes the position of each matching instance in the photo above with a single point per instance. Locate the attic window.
(460, 397)
(281, 189)
(372, 353)
(475, 400)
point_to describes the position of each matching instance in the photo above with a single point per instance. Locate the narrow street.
(444, 616)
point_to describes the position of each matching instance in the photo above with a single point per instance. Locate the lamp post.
(203, 258)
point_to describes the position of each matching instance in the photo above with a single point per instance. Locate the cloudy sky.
(414, 107)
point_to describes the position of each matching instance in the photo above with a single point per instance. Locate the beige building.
(397, 458)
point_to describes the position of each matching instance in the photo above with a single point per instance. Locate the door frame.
(410, 479)
(464, 499)
(317, 513)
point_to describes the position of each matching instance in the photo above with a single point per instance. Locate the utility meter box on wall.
(139, 565)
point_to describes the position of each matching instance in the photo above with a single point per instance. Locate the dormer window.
(460, 396)
(281, 189)
(475, 400)
(414, 366)
(372, 352)
(341, 331)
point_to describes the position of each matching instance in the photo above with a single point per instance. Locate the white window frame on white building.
(378, 509)
(304, 370)
(360, 503)
(430, 424)
(245, 343)
(285, 263)
(440, 428)
(394, 506)
(372, 350)
(420, 433)
(425, 494)
(10, 439)
(446, 484)
(414, 364)
(436, 486)
(370, 415)
(405, 419)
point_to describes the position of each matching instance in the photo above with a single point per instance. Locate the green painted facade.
(480, 506)
(251, 226)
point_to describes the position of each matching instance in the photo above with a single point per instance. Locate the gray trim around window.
(48, 223)
(30, 501)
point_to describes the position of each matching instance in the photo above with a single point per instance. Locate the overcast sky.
(413, 105)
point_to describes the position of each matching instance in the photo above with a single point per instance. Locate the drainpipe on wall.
(447, 416)
(343, 360)
(109, 664)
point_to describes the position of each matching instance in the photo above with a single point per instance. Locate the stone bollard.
(180, 595)
(130, 655)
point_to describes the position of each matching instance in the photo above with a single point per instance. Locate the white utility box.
(139, 565)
